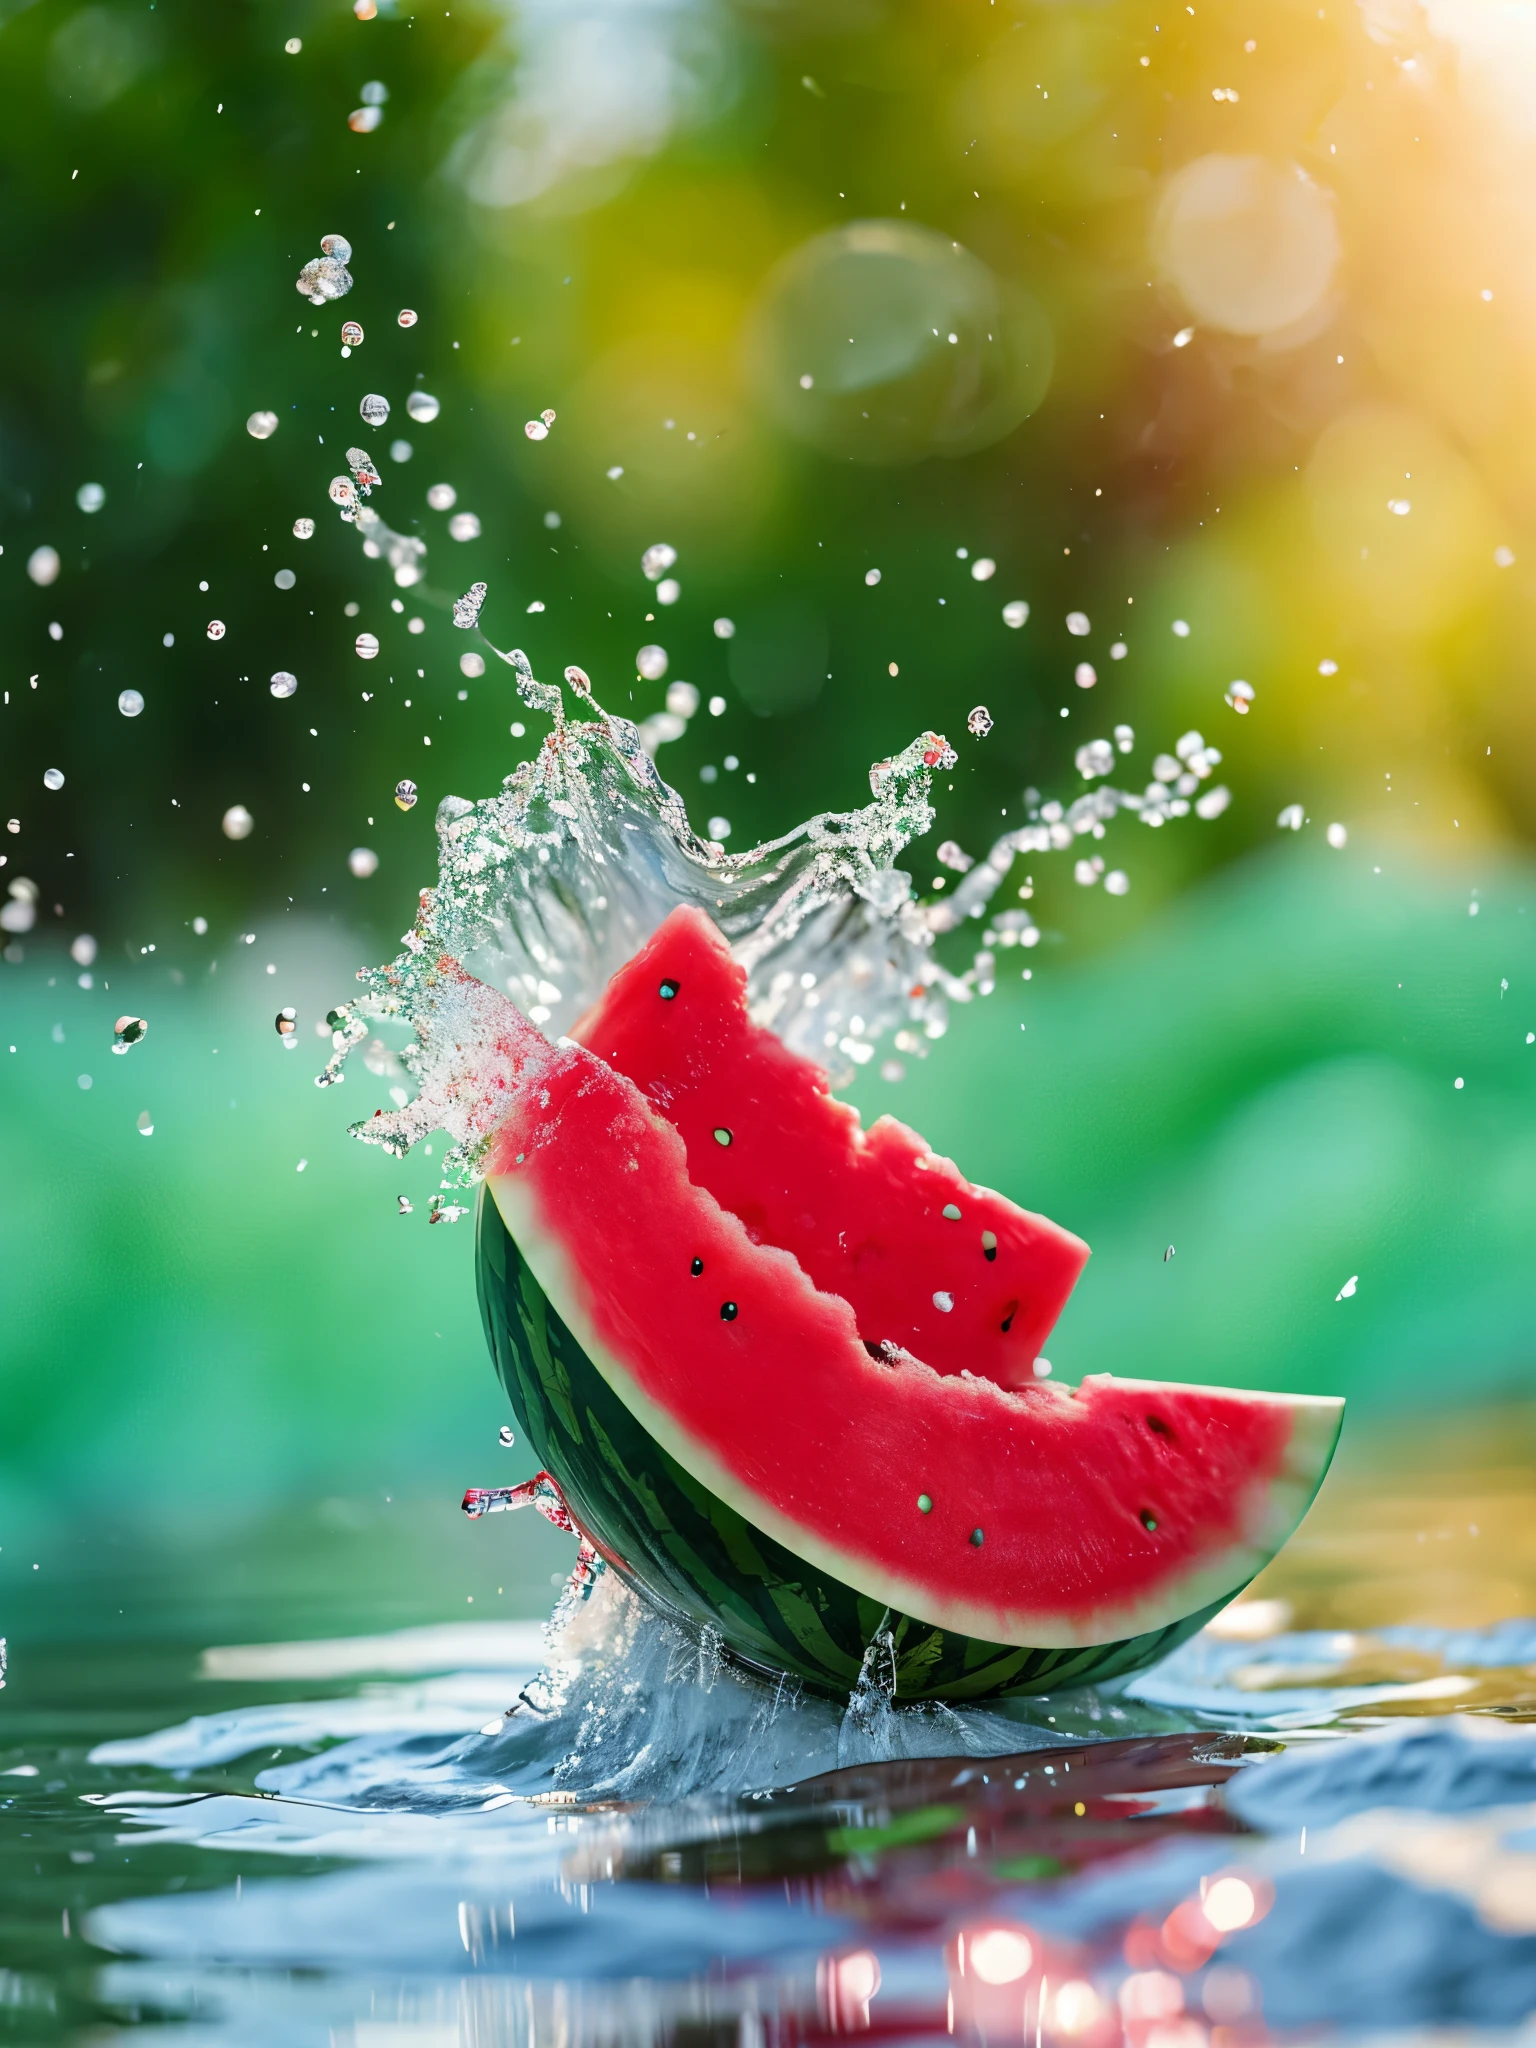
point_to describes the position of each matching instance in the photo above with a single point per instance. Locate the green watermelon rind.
(701, 1563)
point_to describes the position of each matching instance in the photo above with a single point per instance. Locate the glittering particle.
(261, 426)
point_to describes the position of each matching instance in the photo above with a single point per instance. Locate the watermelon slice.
(790, 1394)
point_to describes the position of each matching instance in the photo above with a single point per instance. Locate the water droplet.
(405, 317)
(978, 722)
(363, 862)
(925, 1504)
(720, 829)
(405, 793)
(237, 822)
(374, 408)
(285, 579)
(952, 1211)
(728, 1311)
(217, 629)
(1292, 818)
(1117, 882)
(466, 609)
(286, 1022)
(1214, 801)
(725, 629)
(422, 406)
(1077, 623)
(303, 529)
(1347, 1290)
(127, 1031)
(261, 426)
(366, 646)
(326, 277)
(668, 590)
(90, 497)
(351, 334)
(82, 950)
(651, 662)
(471, 664)
(442, 497)
(1016, 613)
(400, 451)
(682, 699)
(43, 565)
(293, 46)
(130, 702)
(363, 120)
(657, 560)
(953, 856)
(146, 1124)
(871, 577)
(337, 247)
(1338, 836)
(1239, 695)
(983, 569)
(943, 1301)
(536, 430)
(53, 778)
(284, 683)
(464, 526)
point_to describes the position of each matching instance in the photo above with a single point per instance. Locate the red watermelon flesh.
(1043, 1516)
(957, 1275)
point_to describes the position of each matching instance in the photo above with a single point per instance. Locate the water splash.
(548, 887)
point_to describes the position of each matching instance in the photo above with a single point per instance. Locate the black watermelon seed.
(696, 1268)
(728, 1311)
(1148, 1520)
(668, 990)
(1008, 1315)
(1157, 1426)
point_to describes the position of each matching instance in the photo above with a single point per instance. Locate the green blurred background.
(1213, 324)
